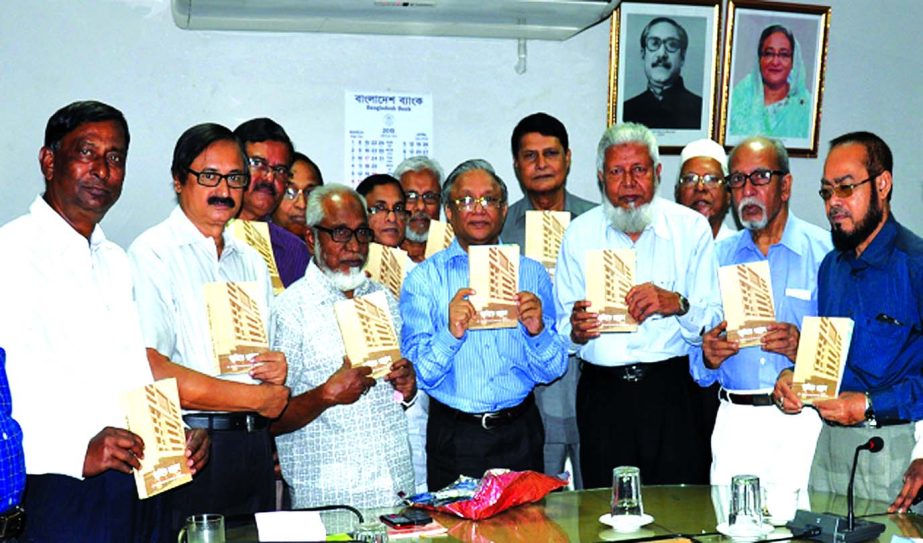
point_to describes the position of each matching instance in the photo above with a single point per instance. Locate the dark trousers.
(238, 479)
(459, 445)
(98, 509)
(649, 423)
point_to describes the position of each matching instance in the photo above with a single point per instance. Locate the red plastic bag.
(499, 491)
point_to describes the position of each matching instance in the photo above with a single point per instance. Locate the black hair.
(542, 123)
(68, 118)
(301, 157)
(772, 29)
(195, 140)
(264, 129)
(878, 157)
(683, 37)
(377, 180)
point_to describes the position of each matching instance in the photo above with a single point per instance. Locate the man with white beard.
(421, 179)
(634, 405)
(751, 435)
(341, 439)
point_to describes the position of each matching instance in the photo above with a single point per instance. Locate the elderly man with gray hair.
(420, 177)
(341, 439)
(482, 410)
(634, 403)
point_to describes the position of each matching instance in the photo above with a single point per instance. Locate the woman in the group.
(773, 100)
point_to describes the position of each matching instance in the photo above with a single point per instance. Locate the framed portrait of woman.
(663, 68)
(774, 73)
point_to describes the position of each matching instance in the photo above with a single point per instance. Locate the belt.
(631, 373)
(248, 422)
(494, 419)
(756, 400)
(12, 522)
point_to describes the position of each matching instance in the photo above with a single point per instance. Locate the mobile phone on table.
(407, 517)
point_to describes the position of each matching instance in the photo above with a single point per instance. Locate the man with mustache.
(751, 435)
(306, 176)
(269, 155)
(634, 402)
(541, 160)
(666, 103)
(874, 276)
(701, 184)
(172, 262)
(74, 345)
(421, 179)
(342, 439)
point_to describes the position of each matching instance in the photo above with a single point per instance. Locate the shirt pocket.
(876, 345)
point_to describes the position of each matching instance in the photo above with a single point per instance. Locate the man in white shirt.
(634, 403)
(73, 340)
(342, 438)
(172, 262)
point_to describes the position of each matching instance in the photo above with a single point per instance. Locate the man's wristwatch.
(683, 304)
(870, 419)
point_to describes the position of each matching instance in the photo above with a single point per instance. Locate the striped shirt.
(12, 468)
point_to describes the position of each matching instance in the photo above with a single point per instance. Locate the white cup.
(207, 528)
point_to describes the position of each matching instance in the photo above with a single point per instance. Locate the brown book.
(237, 325)
(610, 274)
(544, 233)
(256, 235)
(493, 273)
(822, 351)
(153, 412)
(386, 266)
(368, 332)
(440, 236)
(746, 293)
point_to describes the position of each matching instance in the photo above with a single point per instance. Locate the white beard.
(411, 235)
(630, 221)
(344, 282)
(758, 224)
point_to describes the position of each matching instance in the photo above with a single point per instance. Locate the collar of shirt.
(59, 232)
(569, 205)
(317, 277)
(186, 233)
(792, 239)
(658, 225)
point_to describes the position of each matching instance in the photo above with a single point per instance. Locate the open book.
(746, 293)
(610, 274)
(153, 412)
(368, 332)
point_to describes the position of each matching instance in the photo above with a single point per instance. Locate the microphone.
(836, 528)
(873, 446)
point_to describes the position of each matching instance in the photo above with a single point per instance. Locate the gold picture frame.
(632, 73)
(797, 75)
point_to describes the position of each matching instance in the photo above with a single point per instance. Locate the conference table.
(574, 517)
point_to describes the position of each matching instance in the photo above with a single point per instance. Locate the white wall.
(130, 54)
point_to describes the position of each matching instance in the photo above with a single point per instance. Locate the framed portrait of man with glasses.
(774, 73)
(663, 68)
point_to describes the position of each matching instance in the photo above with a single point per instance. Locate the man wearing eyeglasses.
(342, 439)
(421, 179)
(172, 262)
(306, 176)
(386, 206)
(701, 184)
(874, 276)
(634, 401)
(666, 103)
(269, 155)
(751, 435)
(541, 161)
(482, 411)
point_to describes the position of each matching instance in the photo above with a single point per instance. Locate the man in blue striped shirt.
(12, 466)
(482, 411)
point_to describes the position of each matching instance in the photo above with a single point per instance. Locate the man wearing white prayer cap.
(701, 186)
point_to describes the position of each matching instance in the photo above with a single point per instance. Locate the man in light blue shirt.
(482, 411)
(634, 402)
(751, 435)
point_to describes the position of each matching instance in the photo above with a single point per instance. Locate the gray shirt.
(514, 230)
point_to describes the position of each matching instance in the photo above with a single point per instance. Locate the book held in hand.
(746, 293)
(386, 266)
(368, 332)
(544, 233)
(610, 274)
(153, 413)
(256, 235)
(493, 273)
(440, 237)
(821, 359)
(237, 325)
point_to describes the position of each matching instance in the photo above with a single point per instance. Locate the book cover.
(237, 325)
(493, 273)
(368, 332)
(821, 357)
(256, 235)
(746, 293)
(440, 236)
(544, 233)
(153, 412)
(386, 265)
(610, 274)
